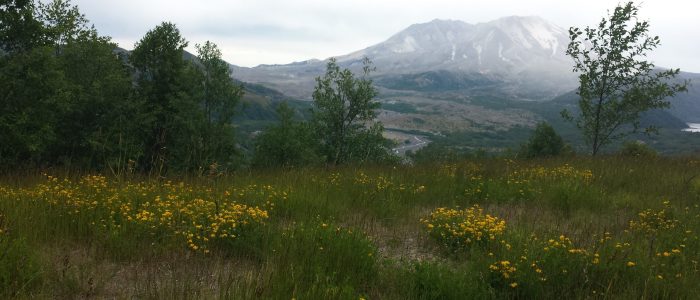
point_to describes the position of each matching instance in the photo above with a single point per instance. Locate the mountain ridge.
(509, 49)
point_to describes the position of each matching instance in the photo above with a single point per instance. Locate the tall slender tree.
(160, 73)
(616, 83)
(219, 99)
(343, 113)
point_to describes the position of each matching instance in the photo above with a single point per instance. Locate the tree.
(616, 83)
(344, 107)
(95, 131)
(19, 28)
(162, 89)
(32, 102)
(219, 98)
(92, 124)
(63, 22)
(288, 144)
(544, 142)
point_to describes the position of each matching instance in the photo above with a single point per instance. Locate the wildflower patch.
(459, 229)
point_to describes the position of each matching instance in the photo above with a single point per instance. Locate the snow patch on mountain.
(500, 53)
(478, 49)
(409, 45)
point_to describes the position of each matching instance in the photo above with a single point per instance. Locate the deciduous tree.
(162, 89)
(616, 82)
(344, 112)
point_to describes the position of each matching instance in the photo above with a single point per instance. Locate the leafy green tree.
(161, 88)
(288, 144)
(616, 83)
(31, 87)
(343, 113)
(219, 99)
(32, 102)
(19, 28)
(96, 87)
(95, 130)
(63, 23)
(544, 142)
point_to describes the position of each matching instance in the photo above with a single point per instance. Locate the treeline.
(71, 98)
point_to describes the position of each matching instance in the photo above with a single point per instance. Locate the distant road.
(416, 143)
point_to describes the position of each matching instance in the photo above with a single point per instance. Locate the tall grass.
(574, 227)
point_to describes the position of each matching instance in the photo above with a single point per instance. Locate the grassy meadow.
(583, 227)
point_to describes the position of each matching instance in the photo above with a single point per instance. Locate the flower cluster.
(651, 221)
(505, 270)
(462, 228)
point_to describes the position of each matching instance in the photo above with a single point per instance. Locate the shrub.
(544, 142)
(637, 149)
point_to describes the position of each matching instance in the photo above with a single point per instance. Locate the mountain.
(686, 106)
(524, 55)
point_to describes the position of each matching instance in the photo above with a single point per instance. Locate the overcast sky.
(253, 32)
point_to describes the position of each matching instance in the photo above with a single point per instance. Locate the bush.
(290, 143)
(637, 149)
(544, 142)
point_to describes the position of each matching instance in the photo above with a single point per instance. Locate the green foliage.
(30, 90)
(544, 142)
(97, 119)
(71, 99)
(162, 93)
(65, 95)
(19, 28)
(185, 109)
(637, 149)
(63, 23)
(215, 103)
(616, 83)
(288, 144)
(343, 114)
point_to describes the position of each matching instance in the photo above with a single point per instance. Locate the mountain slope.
(524, 53)
(686, 105)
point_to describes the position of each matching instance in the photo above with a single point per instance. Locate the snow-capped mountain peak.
(532, 31)
(524, 51)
